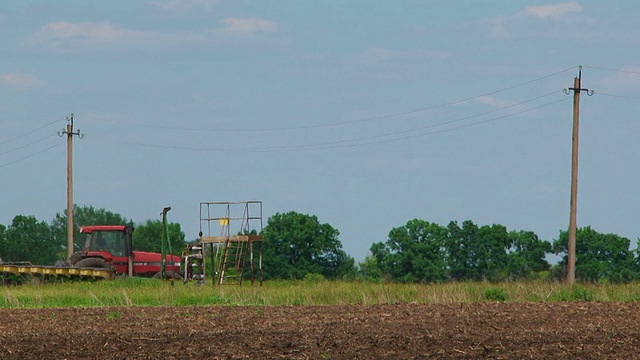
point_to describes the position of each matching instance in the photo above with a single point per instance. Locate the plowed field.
(470, 331)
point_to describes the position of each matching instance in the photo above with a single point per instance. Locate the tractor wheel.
(92, 262)
(168, 275)
(77, 256)
(62, 264)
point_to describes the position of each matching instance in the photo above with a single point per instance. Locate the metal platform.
(230, 247)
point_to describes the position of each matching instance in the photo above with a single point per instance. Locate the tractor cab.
(113, 239)
(113, 243)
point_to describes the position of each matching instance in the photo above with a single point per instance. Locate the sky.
(366, 114)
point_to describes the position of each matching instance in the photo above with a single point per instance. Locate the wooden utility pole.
(571, 266)
(69, 132)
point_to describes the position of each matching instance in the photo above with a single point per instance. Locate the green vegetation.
(82, 216)
(423, 252)
(427, 252)
(146, 237)
(28, 239)
(148, 292)
(299, 247)
(295, 245)
(600, 257)
(495, 294)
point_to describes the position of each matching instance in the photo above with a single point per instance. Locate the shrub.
(575, 293)
(495, 294)
(313, 278)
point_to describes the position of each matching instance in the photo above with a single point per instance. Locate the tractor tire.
(77, 256)
(62, 264)
(168, 275)
(92, 262)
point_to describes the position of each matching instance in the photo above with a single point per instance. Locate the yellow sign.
(224, 222)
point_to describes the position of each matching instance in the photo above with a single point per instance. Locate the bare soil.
(470, 331)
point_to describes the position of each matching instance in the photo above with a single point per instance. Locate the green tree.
(296, 244)
(148, 237)
(460, 255)
(527, 255)
(493, 257)
(3, 241)
(599, 256)
(413, 253)
(28, 239)
(477, 253)
(369, 269)
(83, 215)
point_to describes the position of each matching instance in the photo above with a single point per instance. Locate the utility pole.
(69, 132)
(571, 266)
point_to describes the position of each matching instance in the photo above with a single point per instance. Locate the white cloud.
(21, 81)
(183, 6)
(379, 54)
(386, 63)
(503, 106)
(66, 35)
(556, 12)
(373, 55)
(249, 26)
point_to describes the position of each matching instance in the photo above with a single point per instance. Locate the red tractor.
(111, 246)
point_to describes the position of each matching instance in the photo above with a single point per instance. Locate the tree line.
(297, 246)
(427, 252)
(42, 243)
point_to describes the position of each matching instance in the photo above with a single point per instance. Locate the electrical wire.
(618, 96)
(423, 134)
(367, 119)
(614, 70)
(32, 155)
(363, 140)
(32, 131)
(479, 122)
(422, 127)
(29, 144)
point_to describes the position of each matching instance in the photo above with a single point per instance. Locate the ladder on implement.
(232, 257)
(233, 262)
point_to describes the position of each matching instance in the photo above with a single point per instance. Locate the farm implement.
(107, 253)
(27, 269)
(228, 251)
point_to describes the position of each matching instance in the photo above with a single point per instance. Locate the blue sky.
(367, 114)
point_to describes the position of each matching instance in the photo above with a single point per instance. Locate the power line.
(619, 96)
(614, 70)
(423, 127)
(367, 119)
(431, 132)
(358, 141)
(29, 156)
(29, 144)
(32, 131)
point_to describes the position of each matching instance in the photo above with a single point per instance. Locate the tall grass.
(148, 292)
